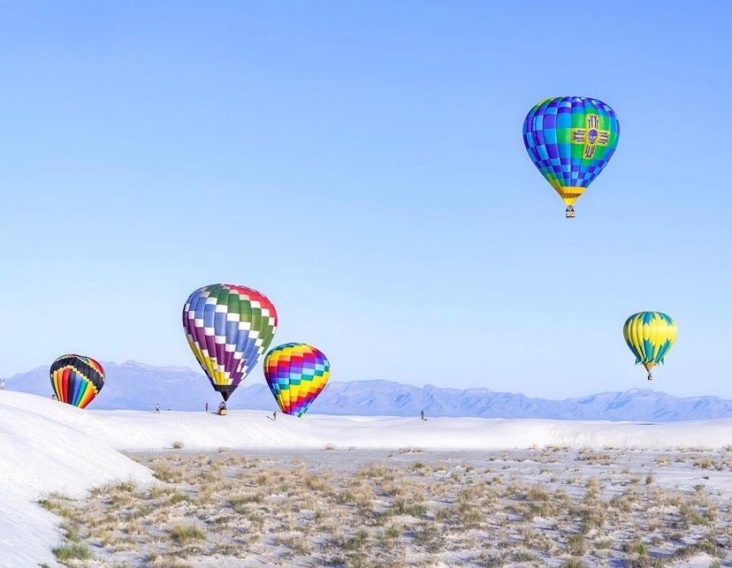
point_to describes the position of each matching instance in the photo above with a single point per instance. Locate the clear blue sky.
(361, 163)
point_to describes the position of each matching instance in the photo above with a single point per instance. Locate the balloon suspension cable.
(570, 214)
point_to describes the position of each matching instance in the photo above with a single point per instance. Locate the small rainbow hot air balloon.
(228, 328)
(296, 374)
(76, 379)
(570, 140)
(649, 336)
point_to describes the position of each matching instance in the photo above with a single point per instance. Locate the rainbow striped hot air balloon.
(296, 374)
(228, 328)
(649, 336)
(570, 140)
(76, 379)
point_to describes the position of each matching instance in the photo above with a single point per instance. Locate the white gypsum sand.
(135, 430)
(47, 446)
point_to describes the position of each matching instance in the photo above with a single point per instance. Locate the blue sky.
(361, 163)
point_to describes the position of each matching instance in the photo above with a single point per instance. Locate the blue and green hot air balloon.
(570, 140)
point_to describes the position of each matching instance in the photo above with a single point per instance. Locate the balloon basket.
(222, 412)
(570, 214)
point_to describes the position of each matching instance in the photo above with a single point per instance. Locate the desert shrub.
(165, 473)
(297, 542)
(403, 507)
(183, 534)
(576, 544)
(72, 551)
(355, 542)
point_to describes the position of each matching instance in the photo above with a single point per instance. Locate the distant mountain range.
(136, 386)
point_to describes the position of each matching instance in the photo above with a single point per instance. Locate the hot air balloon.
(570, 140)
(649, 336)
(228, 328)
(296, 374)
(76, 379)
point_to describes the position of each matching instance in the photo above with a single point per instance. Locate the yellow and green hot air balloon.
(649, 336)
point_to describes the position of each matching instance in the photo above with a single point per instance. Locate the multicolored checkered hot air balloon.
(649, 336)
(76, 379)
(570, 140)
(296, 374)
(228, 328)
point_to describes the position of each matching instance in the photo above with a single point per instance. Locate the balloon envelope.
(650, 336)
(296, 374)
(76, 379)
(570, 140)
(228, 328)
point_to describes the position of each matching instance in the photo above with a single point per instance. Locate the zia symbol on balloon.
(591, 136)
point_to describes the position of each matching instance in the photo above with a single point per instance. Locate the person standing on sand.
(421, 415)
(207, 407)
(157, 407)
(274, 415)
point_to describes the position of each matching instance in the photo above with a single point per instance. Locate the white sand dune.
(134, 430)
(47, 446)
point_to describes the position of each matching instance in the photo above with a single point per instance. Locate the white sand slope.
(47, 446)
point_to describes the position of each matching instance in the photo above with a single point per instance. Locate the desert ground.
(126, 489)
(339, 507)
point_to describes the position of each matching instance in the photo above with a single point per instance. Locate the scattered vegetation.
(406, 509)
